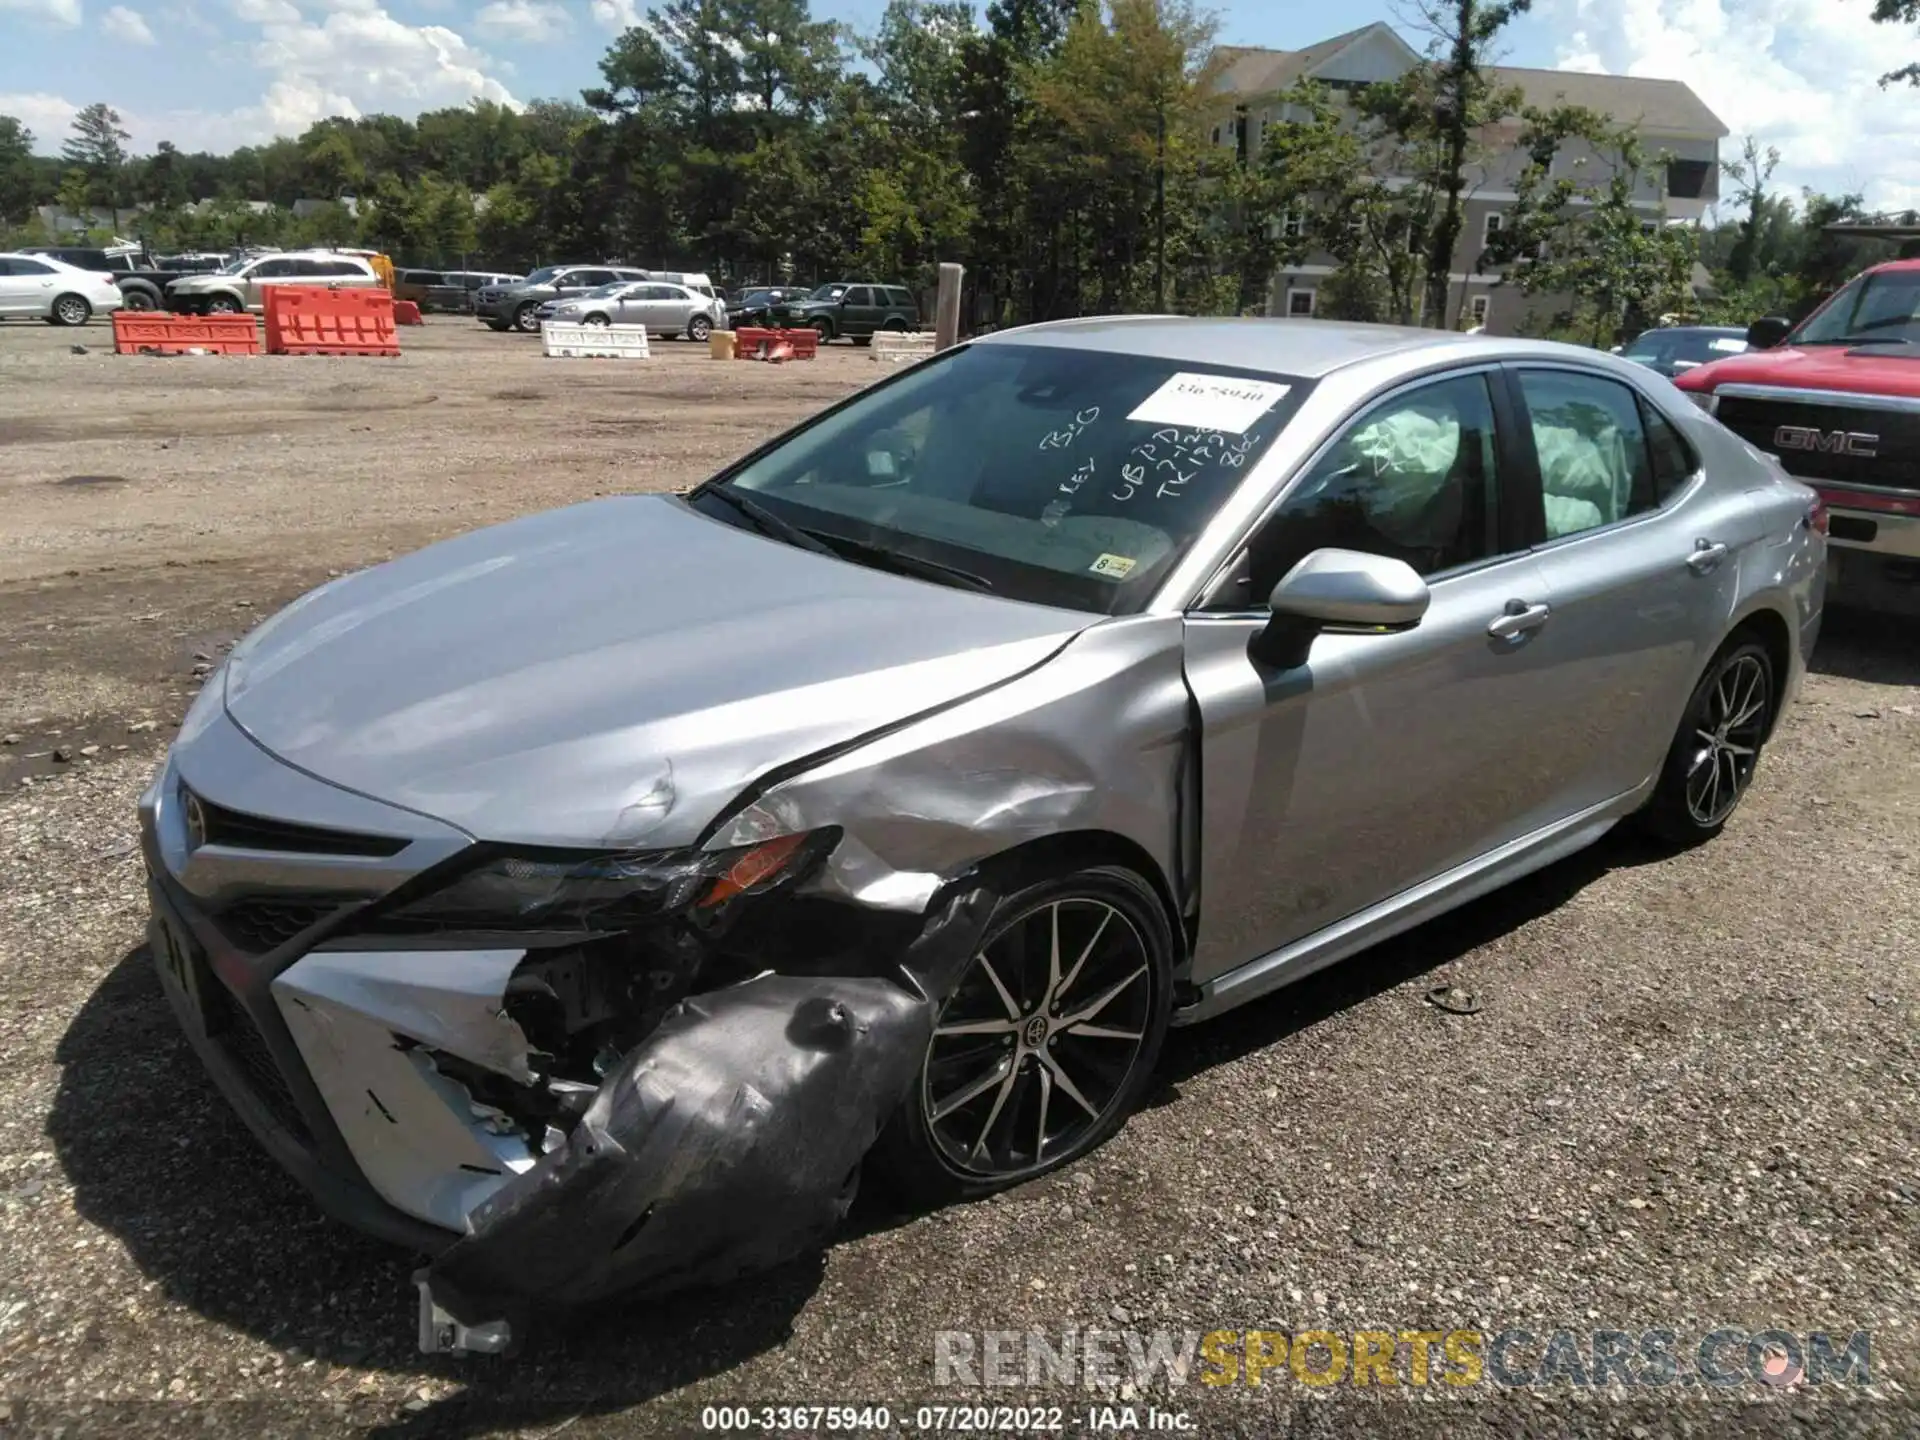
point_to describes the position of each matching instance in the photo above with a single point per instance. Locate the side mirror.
(1344, 591)
(1765, 333)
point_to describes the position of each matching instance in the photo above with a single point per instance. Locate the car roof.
(1307, 348)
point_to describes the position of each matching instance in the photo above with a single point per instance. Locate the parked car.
(241, 285)
(664, 309)
(39, 287)
(1671, 350)
(757, 304)
(446, 291)
(854, 309)
(142, 280)
(1836, 399)
(578, 898)
(515, 306)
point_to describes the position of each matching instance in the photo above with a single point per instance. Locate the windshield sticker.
(1114, 567)
(1732, 347)
(1212, 402)
(1063, 437)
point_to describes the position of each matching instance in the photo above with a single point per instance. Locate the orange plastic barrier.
(154, 332)
(406, 312)
(314, 320)
(753, 343)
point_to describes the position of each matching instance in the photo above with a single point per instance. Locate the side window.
(1414, 478)
(271, 270)
(1592, 449)
(860, 295)
(305, 268)
(1673, 459)
(900, 298)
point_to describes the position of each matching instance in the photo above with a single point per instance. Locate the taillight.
(1817, 514)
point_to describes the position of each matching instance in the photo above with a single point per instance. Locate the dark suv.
(855, 309)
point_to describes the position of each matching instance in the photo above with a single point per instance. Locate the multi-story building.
(1668, 117)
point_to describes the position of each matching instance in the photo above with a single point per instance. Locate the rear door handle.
(1520, 617)
(1706, 556)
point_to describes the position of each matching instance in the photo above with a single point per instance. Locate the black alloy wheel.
(1045, 1044)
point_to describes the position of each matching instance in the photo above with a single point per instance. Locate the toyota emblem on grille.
(196, 820)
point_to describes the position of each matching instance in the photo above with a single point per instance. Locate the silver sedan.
(587, 899)
(663, 308)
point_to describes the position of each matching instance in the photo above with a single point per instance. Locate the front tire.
(824, 329)
(70, 310)
(1714, 756)
(524, 320)
(1045, 1045)
(599, 322)
(223, 305)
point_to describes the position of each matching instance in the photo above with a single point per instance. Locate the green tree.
(1750, 174)
(1599, 241)
(1439, 109)
(1899, 12)
(97, 146)
(18, 185)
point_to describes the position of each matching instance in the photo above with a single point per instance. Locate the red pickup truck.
(1837, 400)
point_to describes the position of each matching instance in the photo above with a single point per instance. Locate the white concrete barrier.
(895, 346)
(595, 342)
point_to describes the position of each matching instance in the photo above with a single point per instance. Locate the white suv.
(38, 287)
(242, 284)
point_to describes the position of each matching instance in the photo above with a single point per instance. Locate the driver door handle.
(1518, 619)
(1706, 556)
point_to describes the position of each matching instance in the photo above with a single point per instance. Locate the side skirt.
(1409, 908)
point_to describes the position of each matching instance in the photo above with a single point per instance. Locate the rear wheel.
(698, 328)
(70, 310)
(1713, 757)
(137, 298)
(1046, 1043)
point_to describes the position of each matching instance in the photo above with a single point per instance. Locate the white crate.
(595, 342)
(895, 346)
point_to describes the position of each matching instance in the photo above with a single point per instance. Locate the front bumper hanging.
(728, 1141)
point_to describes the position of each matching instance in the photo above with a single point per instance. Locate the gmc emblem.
(1827, 442)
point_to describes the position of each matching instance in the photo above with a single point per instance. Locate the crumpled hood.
(612, 673)
(1870, 370)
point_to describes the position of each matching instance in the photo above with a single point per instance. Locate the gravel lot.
(1689, 1099)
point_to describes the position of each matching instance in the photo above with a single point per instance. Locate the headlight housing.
(609, 891)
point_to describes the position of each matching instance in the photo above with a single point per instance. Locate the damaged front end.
(619, 1071)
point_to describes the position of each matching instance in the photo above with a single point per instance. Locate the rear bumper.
(1881, 531)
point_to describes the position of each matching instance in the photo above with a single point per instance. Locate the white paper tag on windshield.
(1731, 347)
(1210, 402)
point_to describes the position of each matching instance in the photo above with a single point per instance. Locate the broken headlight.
(612, 890)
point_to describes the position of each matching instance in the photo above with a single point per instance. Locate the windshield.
(1064, 477)
(828, 292)
(1883, 307)
(234, 267)
(1668, 347)
(542, 276)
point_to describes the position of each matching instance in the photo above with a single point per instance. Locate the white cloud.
(47, 116)
(128, 25)
(354, 59)
(523, 21)
(614, 15)
(54, 12)
(1798, 74)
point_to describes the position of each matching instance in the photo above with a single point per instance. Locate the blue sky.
(219, 73)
